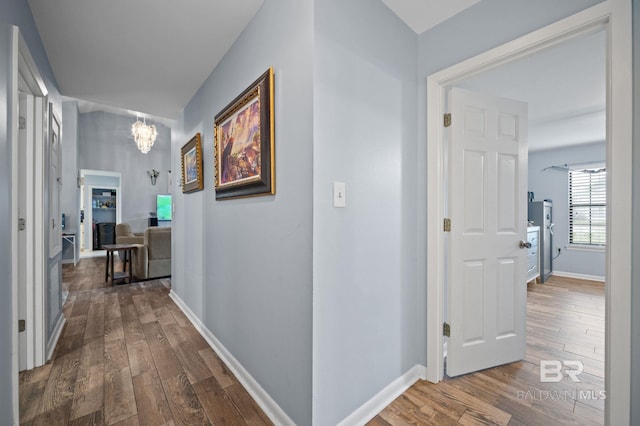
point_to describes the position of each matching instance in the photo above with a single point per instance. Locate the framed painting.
(192, 177)
(244, 143)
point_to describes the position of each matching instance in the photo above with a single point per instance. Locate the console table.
(70, 239)
(109, 272)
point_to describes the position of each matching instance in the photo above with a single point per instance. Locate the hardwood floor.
(129, 356)
(565, 321)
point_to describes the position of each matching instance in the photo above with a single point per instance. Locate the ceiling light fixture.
(144, 135)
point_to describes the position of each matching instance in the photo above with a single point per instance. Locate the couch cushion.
(125, 236)
(123, 230)
(158, 242)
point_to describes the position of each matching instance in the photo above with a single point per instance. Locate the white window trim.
(586, 247)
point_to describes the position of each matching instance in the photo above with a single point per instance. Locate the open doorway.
(100, 210)
(563, 92)
(617, 148)
(564, 87)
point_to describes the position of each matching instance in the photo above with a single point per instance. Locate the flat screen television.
(163, 207)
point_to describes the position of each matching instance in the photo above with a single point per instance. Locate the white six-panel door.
(488, 212)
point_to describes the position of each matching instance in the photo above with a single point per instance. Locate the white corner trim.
(262, 398)
(375, 405)
(578, 276)
(57, 331)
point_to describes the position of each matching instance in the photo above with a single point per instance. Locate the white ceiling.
(565, 87)
(420, 15)
(144, 55)
(150, 57)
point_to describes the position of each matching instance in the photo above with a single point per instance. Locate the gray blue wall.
(553, 184)
(245, 266)
(635, 292)
(14, 12)
(70, 193)
(105, 143)
(366, 295)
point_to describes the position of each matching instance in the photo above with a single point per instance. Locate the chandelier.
(144, 135)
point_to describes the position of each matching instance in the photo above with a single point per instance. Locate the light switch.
(339, 194)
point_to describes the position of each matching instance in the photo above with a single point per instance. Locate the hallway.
(129, 356)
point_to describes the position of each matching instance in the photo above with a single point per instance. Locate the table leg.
(106, 269)
(113, 274)
(130, 267)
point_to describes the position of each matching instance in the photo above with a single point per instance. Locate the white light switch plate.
(339, 194)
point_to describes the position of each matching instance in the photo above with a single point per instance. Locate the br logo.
(551, 371)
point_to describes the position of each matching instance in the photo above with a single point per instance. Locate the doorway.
(564, 88)
(618, 166)
(100, 202)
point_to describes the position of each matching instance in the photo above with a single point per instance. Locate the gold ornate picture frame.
(192, 174)
(244, 143)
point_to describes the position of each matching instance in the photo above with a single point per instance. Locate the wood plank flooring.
(129, 356)
(565, 321)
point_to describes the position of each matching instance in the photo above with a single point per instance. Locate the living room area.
(114, 193)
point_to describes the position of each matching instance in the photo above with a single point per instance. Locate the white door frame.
(89, 216)
(26, 134)
(23, 68)
(86, 199)
(615, 16)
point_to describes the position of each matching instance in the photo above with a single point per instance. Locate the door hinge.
(447, 119)
(446, 330)
(22, 224)
(22, 326)
(447, 224)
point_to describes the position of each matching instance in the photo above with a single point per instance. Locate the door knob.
(525, 244)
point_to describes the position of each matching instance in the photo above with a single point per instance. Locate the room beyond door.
(487, 250)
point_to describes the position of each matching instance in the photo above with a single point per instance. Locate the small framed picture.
(192, 177)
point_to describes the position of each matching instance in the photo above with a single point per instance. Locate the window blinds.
(587, 207)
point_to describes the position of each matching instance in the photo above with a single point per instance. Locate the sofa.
(125, 236)
(152, 259)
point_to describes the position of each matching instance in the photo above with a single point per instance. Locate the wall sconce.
(153, 175)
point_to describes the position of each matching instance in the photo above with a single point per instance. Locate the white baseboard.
(262, 398)
(375, 405)
(57, 331)
(578, 276)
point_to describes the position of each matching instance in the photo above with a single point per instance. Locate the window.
(587, 206)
